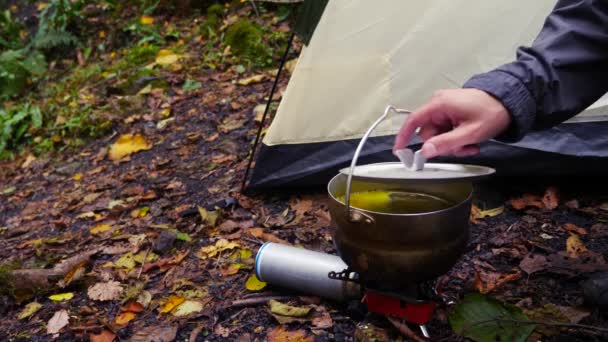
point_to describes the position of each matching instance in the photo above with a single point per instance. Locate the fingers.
(419, 118)
(454, 140)
(466, 151)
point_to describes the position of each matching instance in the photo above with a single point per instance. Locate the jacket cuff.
(514, 95)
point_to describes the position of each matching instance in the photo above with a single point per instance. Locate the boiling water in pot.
(396, 202)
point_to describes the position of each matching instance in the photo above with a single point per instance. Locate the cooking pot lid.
(431, 171)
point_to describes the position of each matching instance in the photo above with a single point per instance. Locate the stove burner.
(414, 304)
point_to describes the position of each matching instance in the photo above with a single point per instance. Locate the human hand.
(454, 121)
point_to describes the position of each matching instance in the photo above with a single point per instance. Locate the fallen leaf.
(166, 57)
(146, 20)
(281, 334)
(488, 281)
(188, 307)
(128, 144)
(105, 291)
(527, 200)
(550, 199)
(103, 336)
(569, 227)
(231, 269)
(59, 320)
(125, 317)
(266, 237)
(534, 263)
(29, 310)
(575, 247)
(62, 297)
(282, 309)
(232, 122)
(74, 274)
(485, 319)
(126, 261)
(251, 80)
(208, 217)
(254, 284)
(155, 333)
(220, 246)
(133, 306)
(575, 315)
(477, 213)
(173, 302)
(322, 318)
(547, 313)
(100, 228)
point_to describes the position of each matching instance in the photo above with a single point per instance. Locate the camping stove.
(316, 273)
(413, 304)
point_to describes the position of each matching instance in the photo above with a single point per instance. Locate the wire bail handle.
(412, 161)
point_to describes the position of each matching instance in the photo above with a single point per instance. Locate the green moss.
(7, 286)
(245, 41)
(142, 54)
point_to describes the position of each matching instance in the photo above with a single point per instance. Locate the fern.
(53, 38)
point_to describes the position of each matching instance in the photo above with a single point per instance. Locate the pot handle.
(353, 215)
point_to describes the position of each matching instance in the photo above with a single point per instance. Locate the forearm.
(563, 72)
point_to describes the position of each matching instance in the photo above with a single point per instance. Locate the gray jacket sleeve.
(563, 72)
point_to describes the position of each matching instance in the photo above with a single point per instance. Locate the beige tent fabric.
(366, 54)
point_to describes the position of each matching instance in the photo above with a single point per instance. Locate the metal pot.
(392, 251)
(399, 249)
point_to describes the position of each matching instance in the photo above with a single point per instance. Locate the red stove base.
(417, 313)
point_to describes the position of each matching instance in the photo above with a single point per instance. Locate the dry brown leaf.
(477, 213)
(527, 200)
(487, 281)
(163, 333)
(534, 263)
(133, 306)
(252, 80)
(569, 227)
(232, 122)
(103, 336)
(551, 199)
(59, 320)
(110, 290)
(266, 237)
(281, 334)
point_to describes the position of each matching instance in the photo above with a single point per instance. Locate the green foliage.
(485, 319)
(9, 31)
(22, 62)
(16, 124)
(191, 85)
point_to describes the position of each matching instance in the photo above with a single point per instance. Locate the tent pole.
(266, 110)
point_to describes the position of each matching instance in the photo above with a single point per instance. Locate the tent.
(364, 55)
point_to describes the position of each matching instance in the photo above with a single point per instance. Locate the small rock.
(164, 241)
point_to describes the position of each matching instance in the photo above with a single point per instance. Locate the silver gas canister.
(304, 270)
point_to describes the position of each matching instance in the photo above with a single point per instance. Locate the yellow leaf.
(220, 245)
(173, 302)
(127, 144)
(61, 297)
(231, 269)
(41, 6)
(251, 80)
(126, 261)
(102, 34)
(575, 247)
(139, 257)
(477, 213)
(141, 212)
(166, 57)
(125, 317)
(208, 217)
(29, 310)
(100, 228)
(165, 112)
(279, 308)
(146, 20)
(254, 284)
(77, 176)
(188, 307)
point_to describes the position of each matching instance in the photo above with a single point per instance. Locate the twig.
(405, 330)
(255, 301)
(549, 324)
(143, 263)
(257, 242)
(255, 8)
